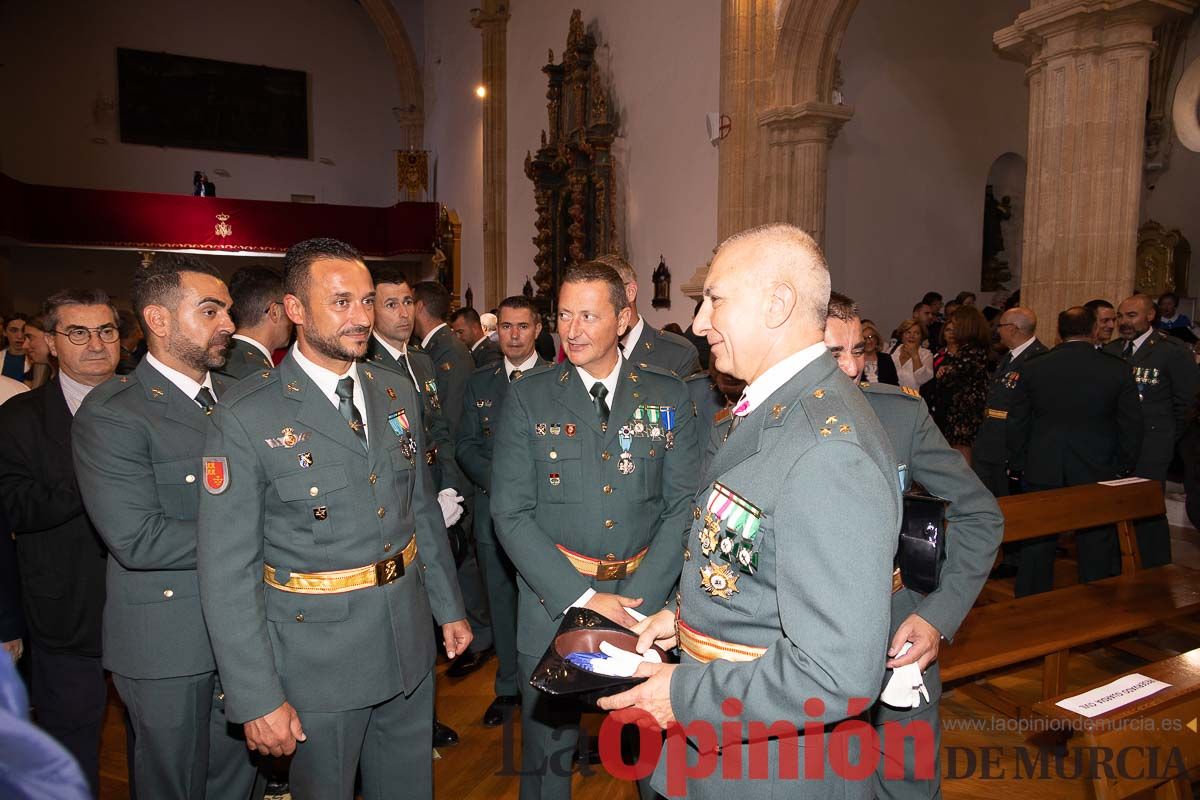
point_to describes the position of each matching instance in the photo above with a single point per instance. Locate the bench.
(1049, 625)
(1166, 721)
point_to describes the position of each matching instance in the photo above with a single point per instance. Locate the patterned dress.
(958, 394)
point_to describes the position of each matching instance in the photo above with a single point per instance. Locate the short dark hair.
(515, 302)
(297, 263)
(157, 283)
(434, 297)
(253, 290)
(1171, 295)
(72, 297)
(962, 297)
(841, 307)
(1076, 321)
(470, 314)
(127, 322)
(1097, 304)
(918, 307)
(16, 315)
(590, 271)
(931, 298)
(388, 273)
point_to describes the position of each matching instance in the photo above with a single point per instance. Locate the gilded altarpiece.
(573, 174)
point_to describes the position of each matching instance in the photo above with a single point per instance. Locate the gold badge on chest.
(718, 580)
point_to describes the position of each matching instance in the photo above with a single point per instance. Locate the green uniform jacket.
(565, 488)
(815, 464)
(243, 359)
(137, 441)
(433, 418)
(989, 443)
(453, 364)
(975, 526)
(1167, 381)
(1075, 418)
(708, 403)
(487, 353)
(348, 508)
(667, 350)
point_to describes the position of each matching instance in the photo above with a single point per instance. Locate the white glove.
(451, 502)
(906, 686)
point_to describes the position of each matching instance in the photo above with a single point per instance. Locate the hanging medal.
(654, 429)
(668, 424)
(639, 422)
(625, 464)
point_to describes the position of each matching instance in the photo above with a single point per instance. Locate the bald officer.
(593, 466)
(799, 503)
(975, 528)
(322, 553)
(643, 342)
(138, 441)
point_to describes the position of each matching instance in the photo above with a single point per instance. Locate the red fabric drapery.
(147, 221)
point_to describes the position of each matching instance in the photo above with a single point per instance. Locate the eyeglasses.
(107, 333)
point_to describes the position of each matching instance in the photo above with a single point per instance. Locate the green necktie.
(345, 393)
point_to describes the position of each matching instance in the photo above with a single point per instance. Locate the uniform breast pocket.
(178, 487)
(316, 488)
(403, 470)
(648, 457)
(736, 560)
(559, 471)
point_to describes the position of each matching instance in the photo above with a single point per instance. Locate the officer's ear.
(780, 304)
(623, 317)
(157, 319)
(294, 308)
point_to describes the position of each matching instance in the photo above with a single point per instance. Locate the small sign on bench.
(1121, 692)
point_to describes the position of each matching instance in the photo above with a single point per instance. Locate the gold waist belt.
(603, 569)
(345, 580)
(706, 648)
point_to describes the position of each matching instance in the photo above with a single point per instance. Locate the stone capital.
(493, 15)
(805, 122)
(1060, 27)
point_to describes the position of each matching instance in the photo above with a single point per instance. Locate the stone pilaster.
(1088, 77)
(492, 21)
(797, 162)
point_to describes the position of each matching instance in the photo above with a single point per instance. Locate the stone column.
(797, 162)
(1088, 77)
(492, 21)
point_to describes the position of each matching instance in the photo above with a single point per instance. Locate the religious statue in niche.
(662, 285)
(995, 262)
(572, 171)
(1163, 257)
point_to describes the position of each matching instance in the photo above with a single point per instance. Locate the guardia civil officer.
(138, 442)
(975, 528)
(322, 550)
(643, 343)
(487, 389)
(593, 465)
(800, 503)
(262, 326)
(1167, 381)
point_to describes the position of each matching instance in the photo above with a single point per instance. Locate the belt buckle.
(388, 570)
(612, 571)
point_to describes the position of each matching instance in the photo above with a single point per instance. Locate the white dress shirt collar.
(396, 352)
(73, 391)
(775, 377)
(610, 382)
(428, 336)
(482, 339)
(1021, 348)
(327, 381)
(257, 345)
(185, 384)
(524, 366)
(631, 339)
(1141, 340)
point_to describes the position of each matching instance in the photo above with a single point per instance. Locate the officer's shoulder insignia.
(564, 376)
(156, 391)
(265, 375)
(124, 379)
(818, 393)
(657, 370)
(722, 416)
(369, 374)
(911, 392)
(216, 474)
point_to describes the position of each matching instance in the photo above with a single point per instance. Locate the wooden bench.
(1166, 721)
(1049, 625)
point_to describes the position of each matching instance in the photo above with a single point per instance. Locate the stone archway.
(411, 114)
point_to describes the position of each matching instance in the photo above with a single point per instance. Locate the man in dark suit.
(1167, 381)
(453, 364)
(714, 395)
(486, 391)
(60, 556)
(645, 344)
(1073, 418)
(468, 327)
(138, 442)
(262, 325)
(1016, 330)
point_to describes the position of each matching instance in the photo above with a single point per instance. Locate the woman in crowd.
(913, 362)
(37, 348)
(878, 367)
(958, 392)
